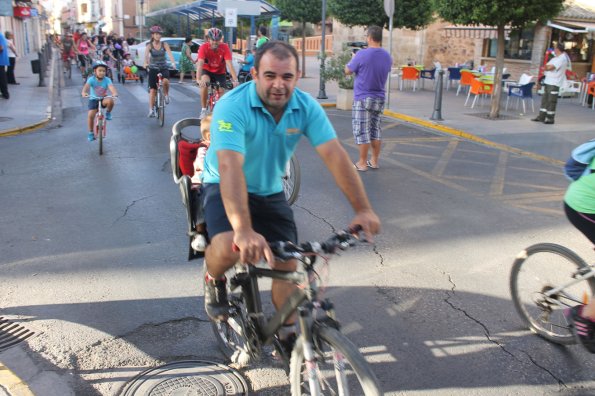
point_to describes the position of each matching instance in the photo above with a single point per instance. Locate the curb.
(36, 125)
(464, 135)
(11, 383)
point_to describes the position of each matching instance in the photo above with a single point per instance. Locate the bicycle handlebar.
(340, 240)
(101, 98)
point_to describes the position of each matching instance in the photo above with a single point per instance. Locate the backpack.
(580, 158)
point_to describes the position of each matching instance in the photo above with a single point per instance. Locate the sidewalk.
(29, 106)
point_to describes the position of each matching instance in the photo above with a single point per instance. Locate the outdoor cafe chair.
(521, 92)
(454, 74)
(479, 87)
(591, 91)
(409, 73)
(467, 77)
(428, 74)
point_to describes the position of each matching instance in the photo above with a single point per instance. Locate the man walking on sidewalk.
(4, 63)
(371, 67)
(555, 75)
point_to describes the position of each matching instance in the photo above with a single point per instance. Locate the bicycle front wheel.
(292, 180)
(100, 127)
(161, 109)
(543, 282)
(340, 367)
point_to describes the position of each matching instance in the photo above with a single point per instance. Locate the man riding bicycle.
(254, 131)
(156, 63)
(214, 57)
(67, 47)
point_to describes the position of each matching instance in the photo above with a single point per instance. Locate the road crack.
(130, 206)
(450, 294)
(318, 217)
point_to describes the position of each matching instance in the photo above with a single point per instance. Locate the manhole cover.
(12, 334)
(188, 377)
(502, 117)
(3, 119)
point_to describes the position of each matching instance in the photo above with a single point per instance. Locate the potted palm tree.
(334, 70)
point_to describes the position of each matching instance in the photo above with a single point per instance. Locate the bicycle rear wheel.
(536, 274)
(341, 369)
(292, 180)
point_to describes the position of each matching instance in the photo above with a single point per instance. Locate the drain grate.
(188, 377)
(12, 334)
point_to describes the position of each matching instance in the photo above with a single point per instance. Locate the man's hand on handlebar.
(369, 222)
(252, 247)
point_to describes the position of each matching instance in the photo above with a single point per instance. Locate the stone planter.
(344, 99)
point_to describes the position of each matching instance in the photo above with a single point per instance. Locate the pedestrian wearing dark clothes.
(371, 67)
(4, 63)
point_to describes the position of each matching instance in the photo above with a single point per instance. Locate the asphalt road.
(93, 257)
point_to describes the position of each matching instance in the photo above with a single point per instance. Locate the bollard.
(437, 114)
(42, 67)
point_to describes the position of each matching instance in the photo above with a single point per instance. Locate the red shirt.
(214, 59)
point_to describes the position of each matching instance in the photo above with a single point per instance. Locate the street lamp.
(142, 20)
(321, 92)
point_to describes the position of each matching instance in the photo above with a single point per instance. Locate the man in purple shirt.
(371, 67)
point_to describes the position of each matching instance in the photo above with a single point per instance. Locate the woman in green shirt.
(186, 62)
(579, 205)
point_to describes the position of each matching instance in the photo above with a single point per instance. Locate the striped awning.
(573, 26)
(473, 32)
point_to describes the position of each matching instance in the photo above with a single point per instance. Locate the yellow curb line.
(468, 136)
(26, 129)
(12, 383)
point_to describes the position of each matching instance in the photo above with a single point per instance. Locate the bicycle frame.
(562, 288)
(248, 281)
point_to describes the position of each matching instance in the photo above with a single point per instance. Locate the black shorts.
(584, 222)
(94, 104)
(215, 77)
(271, 215)
(153, 76)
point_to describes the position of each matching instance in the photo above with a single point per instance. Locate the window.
(519, 44)
(175, 45)
(576, 44)
(84, 8)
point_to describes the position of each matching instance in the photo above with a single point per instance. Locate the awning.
(474, 32)
(573, 26)
(207, 9)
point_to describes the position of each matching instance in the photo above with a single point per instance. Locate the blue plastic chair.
(521, 92)
(427, 74)
(454, 74)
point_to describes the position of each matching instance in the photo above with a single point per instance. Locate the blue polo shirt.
(241, 123)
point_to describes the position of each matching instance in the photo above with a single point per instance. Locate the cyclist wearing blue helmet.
(97, 87)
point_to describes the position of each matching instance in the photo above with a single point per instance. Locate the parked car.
(137, 51)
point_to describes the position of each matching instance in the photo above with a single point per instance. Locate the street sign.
(389, 7)
(231, 17)
(243, 7)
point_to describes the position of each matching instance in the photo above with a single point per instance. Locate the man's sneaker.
(152, 114)
(203, 113)
(199, 243)
(166, 99)
(582, 328)
(216, 303)
(90, 137)
(108, 116)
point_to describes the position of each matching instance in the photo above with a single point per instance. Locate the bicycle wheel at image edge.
(542, 268)
(292, 180)
(357, 377)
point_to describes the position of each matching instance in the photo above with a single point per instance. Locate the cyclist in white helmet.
(156, 63)
(214, 57)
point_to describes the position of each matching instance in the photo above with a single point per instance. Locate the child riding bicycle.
(97, 87)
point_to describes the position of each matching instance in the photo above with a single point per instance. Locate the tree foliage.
(302, 11)
(411, 14)
(497, 13)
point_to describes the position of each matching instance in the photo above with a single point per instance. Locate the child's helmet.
(156, 29)
(99, 63)
(214, 34)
